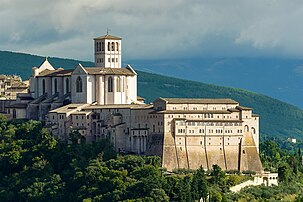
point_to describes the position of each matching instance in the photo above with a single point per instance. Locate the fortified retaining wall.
(191, 152)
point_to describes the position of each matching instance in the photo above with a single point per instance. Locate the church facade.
(102, 102)
(106, 83)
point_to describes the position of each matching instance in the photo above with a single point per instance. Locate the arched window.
(253, 130)
(113, 46)
(56, 85)
(118, 84)
(66, 85)
(117, 46)
(122, 84)
(43, 86)
(79, 85)
(108, 46)
(110, 84)
(102, 46)
(246, 128)
(97, 46)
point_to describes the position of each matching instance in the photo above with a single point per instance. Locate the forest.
(36, 167)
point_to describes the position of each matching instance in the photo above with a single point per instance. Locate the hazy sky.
(154, 29)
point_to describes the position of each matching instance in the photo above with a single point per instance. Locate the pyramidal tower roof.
(107, 36)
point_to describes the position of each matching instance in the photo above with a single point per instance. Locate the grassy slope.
(277, 118)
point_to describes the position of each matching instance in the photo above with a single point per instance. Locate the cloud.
(154, 29)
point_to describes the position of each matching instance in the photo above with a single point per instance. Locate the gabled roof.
(108, 37)
(199, 101)
(118, 106)
(56, 73)
(45, 65)
(109, 71)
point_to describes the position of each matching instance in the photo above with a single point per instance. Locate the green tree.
(183, 186)
(159, 195)
(218, 176)
(199, 186)
(75, 137)
(216, 197)
(284, 173)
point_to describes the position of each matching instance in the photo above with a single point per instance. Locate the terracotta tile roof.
(57, 72)
(108, 37)
(90, 70)
(199, 101)
(46, 72)
(119, 106)
(81, 113)
(243, 108)
(109, 71)
(64, 72)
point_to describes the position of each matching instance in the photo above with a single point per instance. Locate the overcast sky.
(154, 29)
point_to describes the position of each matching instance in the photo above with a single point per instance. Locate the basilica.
(102, 102)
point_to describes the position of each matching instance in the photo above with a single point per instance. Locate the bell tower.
(108, 51)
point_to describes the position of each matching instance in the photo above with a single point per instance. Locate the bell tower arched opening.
(108, 51)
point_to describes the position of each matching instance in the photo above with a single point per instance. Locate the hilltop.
(278, 119)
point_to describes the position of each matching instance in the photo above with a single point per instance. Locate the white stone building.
(107, 83)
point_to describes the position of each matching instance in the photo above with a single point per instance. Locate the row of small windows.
(113, 59)
(99, 60)
(190, 123)
(196, 108)
(81, 117)
(190, 116)
(139, 133)
(180, 130)
(111, 46)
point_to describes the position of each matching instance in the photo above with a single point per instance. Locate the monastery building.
(102, 102)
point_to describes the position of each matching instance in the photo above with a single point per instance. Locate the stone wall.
(184, 152)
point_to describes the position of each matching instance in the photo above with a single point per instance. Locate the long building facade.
(102, 102)
(185, 133)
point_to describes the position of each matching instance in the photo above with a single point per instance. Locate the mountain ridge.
(281, 78)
